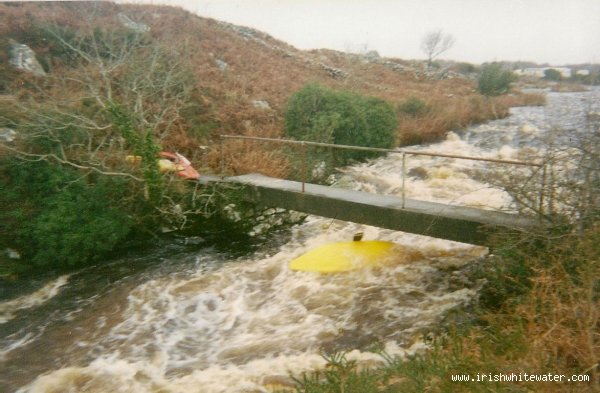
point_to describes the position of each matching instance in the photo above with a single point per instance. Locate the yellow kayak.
(343, 256)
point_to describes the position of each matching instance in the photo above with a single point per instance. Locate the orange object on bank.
(175, 162)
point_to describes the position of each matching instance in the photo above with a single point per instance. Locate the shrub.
(77, 226)
(143, 144)
(552, 75)
(315, 113)
(57, 218)
(414, 107)
(465, 68)
(494, 80)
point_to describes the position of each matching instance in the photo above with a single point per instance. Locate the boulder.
(222, 65)
(418, 172)
(261, 104)
(335, 73)
(7, 134)
(23, 58)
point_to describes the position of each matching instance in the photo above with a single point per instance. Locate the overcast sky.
(552, 31)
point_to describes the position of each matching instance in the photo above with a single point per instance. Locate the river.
(184, 317)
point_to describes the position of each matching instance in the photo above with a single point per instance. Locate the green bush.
(57, 218)
(315, 113)
(77, 226)
(414, 107)
(466, 68)
(494, 80)
(552, 75)
(144, 144)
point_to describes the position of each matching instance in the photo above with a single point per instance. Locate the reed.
(548, 326)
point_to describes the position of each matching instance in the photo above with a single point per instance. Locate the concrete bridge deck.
(459, 223)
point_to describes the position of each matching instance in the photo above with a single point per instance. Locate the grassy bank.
(419, 120)
(537, 315)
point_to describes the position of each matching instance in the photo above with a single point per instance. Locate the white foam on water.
(37, 298)
(230, 329)
(227, 329)
(440, 179)
(110, 374)
(16, 343)
(116, 375)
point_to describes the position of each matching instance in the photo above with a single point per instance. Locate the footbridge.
(459, 223)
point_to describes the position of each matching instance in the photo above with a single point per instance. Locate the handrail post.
(403, 178)
(543, 187)
(221, 156)
(303, 158)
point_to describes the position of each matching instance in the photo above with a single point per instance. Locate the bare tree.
(435, 43)
(146, 78)
(122, 93)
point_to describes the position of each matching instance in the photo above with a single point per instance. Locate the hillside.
(92, 92)
(240, 78)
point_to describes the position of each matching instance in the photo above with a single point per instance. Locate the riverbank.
(420, 121)
(73, 198)
(536, 315)
(535, 312)
(233, 323)
(208, 301)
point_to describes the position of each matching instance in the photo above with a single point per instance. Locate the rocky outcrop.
(392, 65)
(261, 104)
(222, 65)
(7, 134)
(335, 73)
(23, 58)
(262, 39)
(130, 24)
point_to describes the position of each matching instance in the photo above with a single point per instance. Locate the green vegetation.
(142, 144)
(70, 197)
(59, 218)
(414, 107)
(552, 75)
(340, 375)
(315, 113)
(494, 80)
(539, 320)
(465, 68)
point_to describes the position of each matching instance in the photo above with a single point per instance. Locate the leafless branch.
(435, 43)
(54, 157)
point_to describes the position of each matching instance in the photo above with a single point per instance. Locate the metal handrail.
(404, 152)
(378, 149)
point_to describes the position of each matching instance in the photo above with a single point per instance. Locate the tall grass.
(551, 325)
(262, 68)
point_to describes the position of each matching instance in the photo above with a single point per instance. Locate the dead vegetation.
(233, 67)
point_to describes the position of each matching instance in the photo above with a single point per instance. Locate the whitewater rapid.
(177, 319)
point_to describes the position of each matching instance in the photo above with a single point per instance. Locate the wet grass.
(538, 314)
